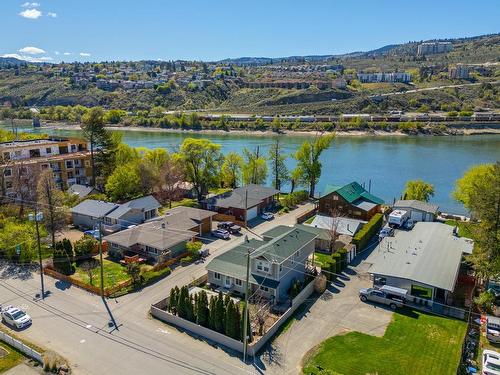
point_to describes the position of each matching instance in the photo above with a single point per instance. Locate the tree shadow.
(62, 285)
(14, 271)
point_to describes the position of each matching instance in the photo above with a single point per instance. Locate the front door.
(227, 282)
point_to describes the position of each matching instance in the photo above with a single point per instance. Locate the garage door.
(417, 216)
(251, 213)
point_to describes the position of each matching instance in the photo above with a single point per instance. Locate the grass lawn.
(463, 227)
(321, 259)
(310, 220)
(219, 191)
(11, 359)
(113, 274)
(414, 343)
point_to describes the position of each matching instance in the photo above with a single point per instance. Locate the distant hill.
(405, 49)
(10, 61)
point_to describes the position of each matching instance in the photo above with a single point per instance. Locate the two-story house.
(275, 263)
(350, 200)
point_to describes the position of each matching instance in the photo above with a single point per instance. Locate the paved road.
(337, 311)
(73, 323)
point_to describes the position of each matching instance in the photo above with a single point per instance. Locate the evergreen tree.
(172, 306)
(202, 311)
(229, 319)
(61, 260)
(183, 303)
(219, 313)
(211, 313)
(190, 309)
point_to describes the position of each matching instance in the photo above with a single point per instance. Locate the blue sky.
(91, 30)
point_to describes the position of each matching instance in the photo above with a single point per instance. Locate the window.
(73, 147)
(48, 150)
(216, 275)
(357, 213)
(335, 198)
(263, 266)
(421, 292)
(264, 288)
(69, 163)
(70, 174)
(8, 184)
(7, 172)
(238, 282)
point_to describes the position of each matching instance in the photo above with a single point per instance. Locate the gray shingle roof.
(146, 203)
(81, 190)
(237, 198)
(343, 225)
(429, 254)
(94, 208)
(417, 205)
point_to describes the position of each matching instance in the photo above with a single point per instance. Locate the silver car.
(379, 296)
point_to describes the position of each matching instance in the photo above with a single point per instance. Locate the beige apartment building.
(21, 161)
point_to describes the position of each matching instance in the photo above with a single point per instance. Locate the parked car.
(229, 226)
(409, 224)
(493, 329)
(221, 233)
(386, 231)
(379, 296)
(491, 363)
(267, 216)
(92, 232)
(15, 317)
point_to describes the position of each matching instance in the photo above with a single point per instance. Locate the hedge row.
(336, 264)
(363, 237)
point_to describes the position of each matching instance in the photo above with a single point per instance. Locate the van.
(493, 329)
(394, 293)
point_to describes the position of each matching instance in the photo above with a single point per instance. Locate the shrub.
(465, 113)
(338, 262)
(343, 258)
(85, 246)
(193, 249)
(186, 260)
(151, 276)
(363, 237)
(453, 114)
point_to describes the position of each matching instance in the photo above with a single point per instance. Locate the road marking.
(88, 326)
(161, 330)
(82, 341)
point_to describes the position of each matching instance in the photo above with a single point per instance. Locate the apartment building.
(429, 48)
(385, 77)
(459, 71)
(20, 161)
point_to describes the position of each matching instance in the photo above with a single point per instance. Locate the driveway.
(337, 311)
(74, 323)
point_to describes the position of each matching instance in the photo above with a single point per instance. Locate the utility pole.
(246, 207)
(100, 258)
(38, 216)
(245, 318)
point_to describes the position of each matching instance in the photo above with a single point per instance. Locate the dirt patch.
(3, 352)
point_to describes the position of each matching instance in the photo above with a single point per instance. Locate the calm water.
(387, 161)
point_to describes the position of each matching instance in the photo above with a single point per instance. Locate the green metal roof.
(353, 192)
(321, 233)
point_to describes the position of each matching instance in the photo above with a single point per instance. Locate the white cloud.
(57, 53)
(32, 50)
(52, 14)
(31, 14)
(85, 54)
(30, 5)
(67, 53)
(28, 57)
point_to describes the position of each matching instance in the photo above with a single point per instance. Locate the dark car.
(229, 226)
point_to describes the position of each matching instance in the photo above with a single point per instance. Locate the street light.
(37, 217)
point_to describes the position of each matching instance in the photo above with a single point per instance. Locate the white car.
(15, 317)
(386, 231)
(491, 363)
(267, 216)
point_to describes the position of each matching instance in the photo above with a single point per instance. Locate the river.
(388, 161)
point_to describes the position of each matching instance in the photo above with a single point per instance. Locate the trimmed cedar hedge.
(363, 237)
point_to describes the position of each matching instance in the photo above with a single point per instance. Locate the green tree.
(157, 156)
(254, 167)
(124, 154)
(212, 313)
(203, 161)
(219, 314)
(279, 170)
(173, 300)
(134, 271)
(124, 183)
(50, 200)
(183, 303)
(61, 259)
(295, 178)
(419, 190)
(85, 246)
(231, 169)
(308, 160)
(202, 311)
(231, 321)
(95, 133)
(465, 186)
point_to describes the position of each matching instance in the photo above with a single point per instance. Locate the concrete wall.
(158, 311)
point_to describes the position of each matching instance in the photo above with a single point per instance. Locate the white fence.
(158, 311)
(21, 347)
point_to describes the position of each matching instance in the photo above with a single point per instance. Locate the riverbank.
(449, 131)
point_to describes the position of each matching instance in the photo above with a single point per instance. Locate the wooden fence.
(80, 284)
(306, 215)
(224, 217)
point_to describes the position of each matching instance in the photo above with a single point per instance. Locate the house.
(351, 200)
(114, 216)
(425, 261)
(321, 242)
(133, 212)
(244, 203)
(275, 263)
(161, 238)
(419, 211)
(82, 190)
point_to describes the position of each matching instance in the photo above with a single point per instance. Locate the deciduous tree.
(254, 167)
(279, 170)
(231, 169)
(419, 190)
